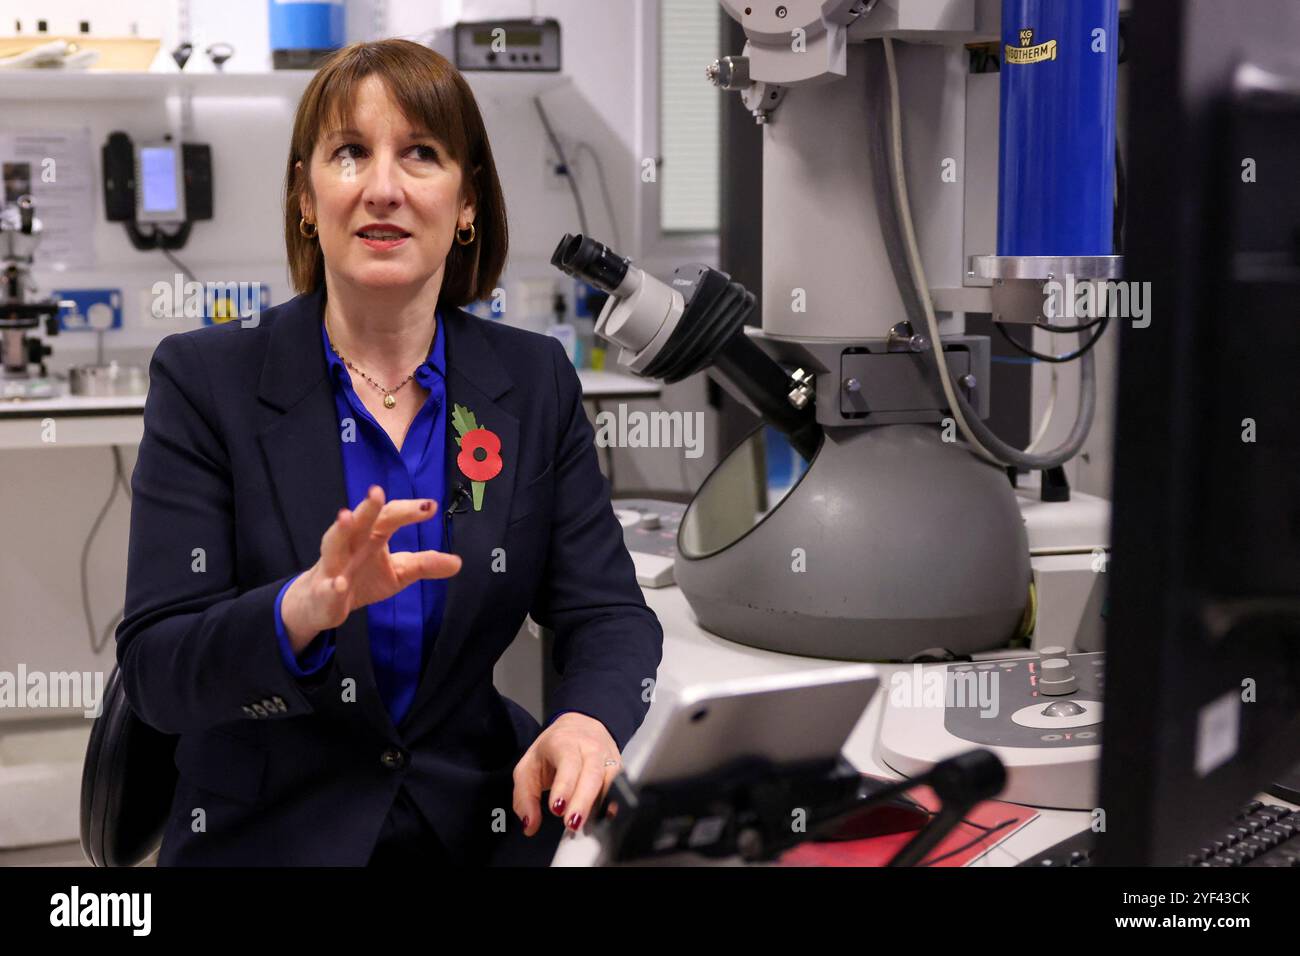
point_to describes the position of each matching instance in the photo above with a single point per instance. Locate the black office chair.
(126, 785)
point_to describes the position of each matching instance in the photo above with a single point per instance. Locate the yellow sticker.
(223, 309)
(1028, 51)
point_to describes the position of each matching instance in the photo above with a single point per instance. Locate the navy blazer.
(239, 474)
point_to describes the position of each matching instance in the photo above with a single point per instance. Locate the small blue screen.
(158, 178)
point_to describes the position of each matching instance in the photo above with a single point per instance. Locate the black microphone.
(458, 496)
(457, 499)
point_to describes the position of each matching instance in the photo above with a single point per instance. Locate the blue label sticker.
(91, 309)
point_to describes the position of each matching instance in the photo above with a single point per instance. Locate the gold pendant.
(389, 401)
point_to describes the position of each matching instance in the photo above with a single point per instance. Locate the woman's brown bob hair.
(432, 94)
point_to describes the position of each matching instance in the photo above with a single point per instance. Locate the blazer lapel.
(305, 463)
(475, 380)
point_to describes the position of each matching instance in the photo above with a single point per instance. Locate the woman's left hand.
(574, 758)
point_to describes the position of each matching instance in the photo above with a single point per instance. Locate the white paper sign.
(56, 167)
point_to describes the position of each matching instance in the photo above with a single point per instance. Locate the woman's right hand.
(357, 569)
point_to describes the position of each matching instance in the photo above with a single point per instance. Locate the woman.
(343, 512)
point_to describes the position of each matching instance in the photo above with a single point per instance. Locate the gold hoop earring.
(472, 234)
(302, 228)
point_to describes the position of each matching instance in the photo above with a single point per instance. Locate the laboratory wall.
(55, 496)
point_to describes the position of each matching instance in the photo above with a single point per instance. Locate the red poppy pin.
(480, 452)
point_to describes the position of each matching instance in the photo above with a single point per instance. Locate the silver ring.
(611, 762)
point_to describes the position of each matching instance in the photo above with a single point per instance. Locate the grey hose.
(887, 200)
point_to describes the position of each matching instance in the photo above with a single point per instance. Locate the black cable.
(564, 164)
(157, 234)
(604, 190)
(97, 644)
(1057, 359)
(1121, 193)
(85, 555)
(1049, 327)
(989, 831)
(924, 809)
(178, 264)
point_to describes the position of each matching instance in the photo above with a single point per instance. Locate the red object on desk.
(879, 850)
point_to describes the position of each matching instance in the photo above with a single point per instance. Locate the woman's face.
(384, 172)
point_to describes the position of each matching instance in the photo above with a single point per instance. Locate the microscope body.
(21, 309)
(902, 537)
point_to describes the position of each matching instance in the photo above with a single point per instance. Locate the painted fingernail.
(575, 821)
(558, 805)
(426, 506)
(526, 821)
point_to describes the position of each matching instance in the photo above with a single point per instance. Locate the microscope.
(903, 538)
(21, 309)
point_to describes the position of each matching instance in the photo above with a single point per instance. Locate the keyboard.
(1262, 834)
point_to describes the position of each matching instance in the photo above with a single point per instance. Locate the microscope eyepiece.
(26, 212)
(591, 261)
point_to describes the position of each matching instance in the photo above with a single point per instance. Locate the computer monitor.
(1203, 634)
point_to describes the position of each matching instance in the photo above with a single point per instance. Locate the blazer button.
(393, 759)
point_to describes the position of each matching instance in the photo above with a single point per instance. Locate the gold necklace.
(389, 401)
